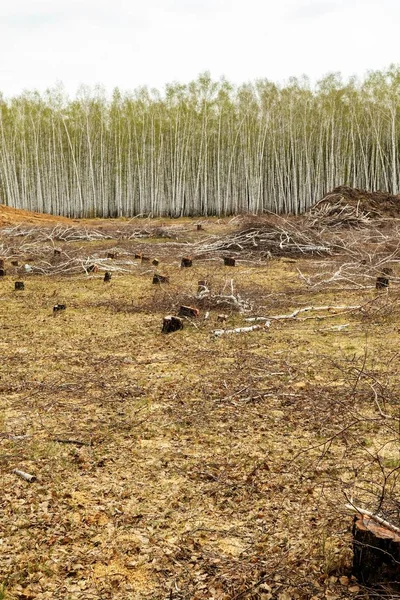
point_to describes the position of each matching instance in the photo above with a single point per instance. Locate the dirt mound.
(11, 216)
(376, 204)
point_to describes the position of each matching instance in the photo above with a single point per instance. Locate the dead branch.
(26, 476)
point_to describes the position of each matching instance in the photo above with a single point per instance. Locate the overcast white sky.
(129, 43)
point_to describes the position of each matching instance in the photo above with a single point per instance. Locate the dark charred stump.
(57, 252)
(58, 308)
(92, 269)
(171, 324)
(157, 278)
(107, 277)
(188, 311)
(229, 261)
(376, 553)
(19, 285)
(382, 283)
(2, 272)
(186, 261)
(155, 262)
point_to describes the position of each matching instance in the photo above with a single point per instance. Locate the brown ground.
(199, 467)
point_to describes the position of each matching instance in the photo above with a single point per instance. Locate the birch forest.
(203, 148)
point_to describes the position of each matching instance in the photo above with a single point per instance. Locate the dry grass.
(212, 468)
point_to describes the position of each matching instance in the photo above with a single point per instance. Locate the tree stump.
(2, 272)
(186, 261)
(57, 252)
(58, 308)
(19, 285)
(171, 324)
(155, 262)
(92, 269)
(112, 255)
(229, 261)
(107, 277)
(157, 278)
(376, 553)
(382, 283)
(199, 227)
(138, 255)
(188, 311)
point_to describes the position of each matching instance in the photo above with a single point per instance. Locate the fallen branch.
(371, 515)
(219, 332)
(75, 442)
(298, 311)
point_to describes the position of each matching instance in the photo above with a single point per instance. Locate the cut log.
(2, 272)
(107, 277)
(376, 553)
(157, 278)
(186, 261)
(188, 311)
(26, 476)
(155, 262)
(171, 324)
(19, 285)
(229, 261)
(382, 283)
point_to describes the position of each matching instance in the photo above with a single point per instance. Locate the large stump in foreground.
(376, 553)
